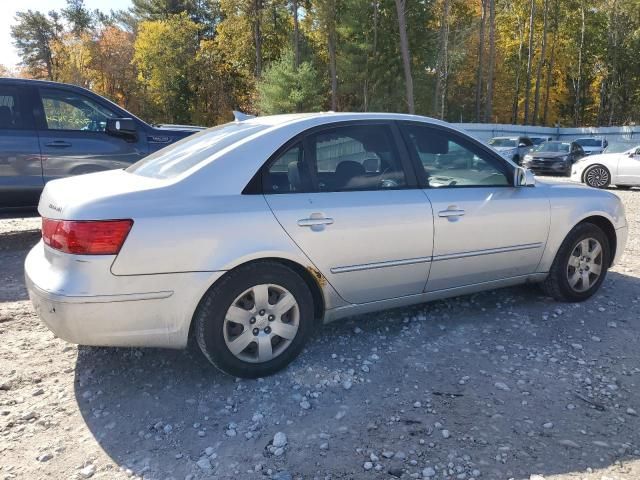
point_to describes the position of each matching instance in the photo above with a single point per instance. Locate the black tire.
(211, 312)
(557, 284)
(597, 176)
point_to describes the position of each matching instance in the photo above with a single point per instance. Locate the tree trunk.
(442, 65)
(488, 112)
(552, 59)
(480, 68)
(257, 35)
(333, 70)
(527, 93)
(296, 35)
(406, 57)
(577, 106)
(516, 93)
(543, 58)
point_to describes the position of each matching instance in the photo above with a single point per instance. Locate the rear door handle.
(451, 212)
(58, 144)
(316, 221)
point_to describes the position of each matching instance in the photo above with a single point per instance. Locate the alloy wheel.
(585, 264)
(597, 177)
(261, 323)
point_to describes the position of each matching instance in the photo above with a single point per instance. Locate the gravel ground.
(503, 384)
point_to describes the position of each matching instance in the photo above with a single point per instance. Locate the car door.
(20, 162)
(485, 229)
(629, 169)
(73, 138)
(347, 196)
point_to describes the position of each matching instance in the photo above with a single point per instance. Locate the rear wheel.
(597, 176)
(580, 265)
(256, 320)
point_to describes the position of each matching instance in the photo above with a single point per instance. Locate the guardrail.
(485, 131)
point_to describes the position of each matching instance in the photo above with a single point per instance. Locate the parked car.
(250, 234)
(619, 169)
(51, 130)
(553, 158)
(539, 140)
(512, 148)
(592, 146)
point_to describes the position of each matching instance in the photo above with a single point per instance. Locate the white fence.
(485, 131)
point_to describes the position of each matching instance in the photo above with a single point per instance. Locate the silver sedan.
(248, 235)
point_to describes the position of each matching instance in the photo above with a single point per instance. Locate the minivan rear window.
(179, 157)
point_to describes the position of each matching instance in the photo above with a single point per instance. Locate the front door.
(629, 169)
(348, 199)
(20, 164)
(485, 229)
(73, 138)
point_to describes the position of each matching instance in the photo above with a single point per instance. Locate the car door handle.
(315, 221)
(451, 212)
(58, 144)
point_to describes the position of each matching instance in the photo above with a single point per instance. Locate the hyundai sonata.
(248, 235)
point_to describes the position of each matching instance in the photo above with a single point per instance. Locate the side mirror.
(524, 177)
(122, 127)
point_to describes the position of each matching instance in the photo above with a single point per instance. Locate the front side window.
(356, 157)
(449, 161)
(70, 111)
(10, 109)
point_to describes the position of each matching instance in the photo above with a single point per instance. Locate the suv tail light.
(86, 237)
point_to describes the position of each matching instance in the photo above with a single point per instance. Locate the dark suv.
(50, 130)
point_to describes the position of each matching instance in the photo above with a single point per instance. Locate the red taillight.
(86, 237)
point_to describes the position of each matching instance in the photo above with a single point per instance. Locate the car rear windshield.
(179, 157)
(503, 142)
(589, 142)
(553, 147)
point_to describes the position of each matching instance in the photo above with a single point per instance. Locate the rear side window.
(65, 110)
(356, 157)
(189, 152)
(288, 173)
(11, 117)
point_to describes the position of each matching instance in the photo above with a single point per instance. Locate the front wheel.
(256, 320)
(597, 176)
(580, 265)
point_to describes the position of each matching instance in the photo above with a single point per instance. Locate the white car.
(600, 171)
(248, 235)
(592, 146)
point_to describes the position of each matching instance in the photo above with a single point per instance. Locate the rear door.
(73, 138)
(485, 229)
(347, 196)
(20, 163)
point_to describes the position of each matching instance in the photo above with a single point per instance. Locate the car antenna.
(239, 116)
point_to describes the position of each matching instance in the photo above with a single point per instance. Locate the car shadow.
(524, 385)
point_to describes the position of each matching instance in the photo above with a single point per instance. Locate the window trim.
(41, 117)
(256, 184)
(463, 140)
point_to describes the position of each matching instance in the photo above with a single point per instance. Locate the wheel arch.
(608, 228)
(313, 278)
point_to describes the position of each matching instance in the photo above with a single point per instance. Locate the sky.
(8, 9)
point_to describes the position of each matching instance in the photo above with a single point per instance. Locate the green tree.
(78, 16)
(285, 89)
(33, 36)
(164, 55)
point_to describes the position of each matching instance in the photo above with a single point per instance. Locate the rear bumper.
(81, 302)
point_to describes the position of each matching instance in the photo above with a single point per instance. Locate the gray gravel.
(498, 385)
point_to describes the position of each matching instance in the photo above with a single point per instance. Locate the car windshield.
(538, 140)
(589, 142)
(179, 157)
(621, 147)
(503, 142)
(553, 147)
